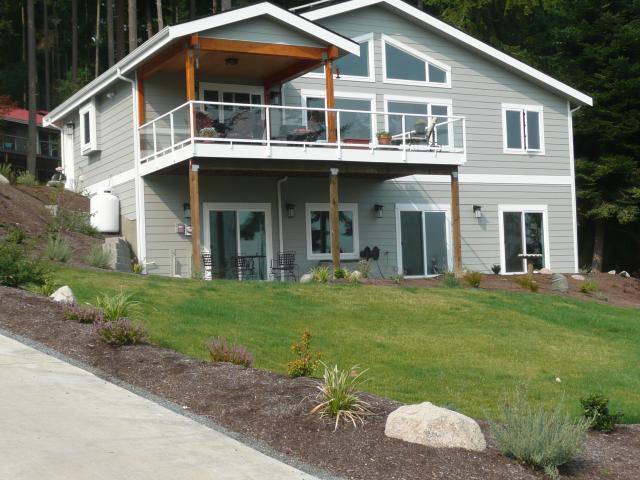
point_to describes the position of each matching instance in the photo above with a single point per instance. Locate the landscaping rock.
(355, 276)
(545, 271)
(624, 274)
(611, 272)
(3, 180)
(63, 295)
(559, 283)
(306, 278)
(578, 277)
(436, 427)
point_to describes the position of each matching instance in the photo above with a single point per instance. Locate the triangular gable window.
(406, 66)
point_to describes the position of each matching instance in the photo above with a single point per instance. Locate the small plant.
(338, 396)
(116, 306)
(99, 257)
(449, 280)
(355, 277)
(306, 360)
(26, 179)
(58, 249)
(121, 332)
(589, 287)
(321, 274)
(47, 288)
(340, 273)
(15, 235)
(80, 222)
(5, 170)
(221, 351)
(596, 409)
(536, 436)
(527, 282)
(364, 267)
(137, 268)
(496, 268)
(16, 268)
(84, 314)
(398, 278)
(473, 279)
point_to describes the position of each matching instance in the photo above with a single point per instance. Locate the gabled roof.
(21, 115)
(171, 34)
(424, 19)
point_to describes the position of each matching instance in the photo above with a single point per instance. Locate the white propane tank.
(105, 212)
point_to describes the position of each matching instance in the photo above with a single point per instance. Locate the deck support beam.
(194, 204)
(455, 223)
(330, 101)
(334, 219)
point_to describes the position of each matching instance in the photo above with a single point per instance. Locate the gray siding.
(126, 192)
(163, 92)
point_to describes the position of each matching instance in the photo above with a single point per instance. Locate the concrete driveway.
(58, 421)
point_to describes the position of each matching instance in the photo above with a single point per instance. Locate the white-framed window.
(88, 130)
(318, 231)
(229, 93)
(524, 237)
(522, 129)
(404, 65)
(437, 107)
(351, 67)
(353, 126)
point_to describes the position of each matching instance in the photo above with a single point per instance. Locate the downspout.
(280, 237)
(139, 188)
(574, 200)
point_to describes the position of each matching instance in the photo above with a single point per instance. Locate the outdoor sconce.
(68, 128)
(231, 61)
(379, 209)
(187, 210)
(110, 95)
(275, 98)
(291, 210)
(477, 211)
(337, 73)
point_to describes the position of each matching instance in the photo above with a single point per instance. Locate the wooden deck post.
(334, 218)
(330, 101)
(194, 204)
(455, 221)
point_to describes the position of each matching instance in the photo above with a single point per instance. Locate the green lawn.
(457, 347)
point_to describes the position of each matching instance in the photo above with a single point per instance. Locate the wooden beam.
(291, 72)
(330, 101)
(190, 74)
(255, 48)
(194, 204)
(140, 99)
(334, 218)
(455, 224)
(160, 60)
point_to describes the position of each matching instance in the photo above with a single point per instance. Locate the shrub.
(596, 409)
(321, 274)
(137, 268)
(121, 332)
(306, 360)
(49, 286)
(15, 235)
(398, 278)
(84, 314)
(58, 249)
(26, 179)
(589, 287)
(536, 436)
(339, 273)
(5, 170)
(496, 268)
(16, 268)
(338, 396)
(116, 306)
(364, 267)
(71, 220)
(221, 351)
(527, 282)
(473, 279)
(99, 257)
(449, 280)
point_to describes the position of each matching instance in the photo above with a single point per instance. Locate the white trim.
(574, 209)
(92, 145)
(511, 107)
(369, 38)
(502, 208)
(420, 56)
(423, 207)
(240, 207)
(492, 179)
(67, 147)
(230, 87)
(324, 207)
(111, 181)
(408, 11)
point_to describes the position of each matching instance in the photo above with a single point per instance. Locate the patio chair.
(244, 267)
(284, 266)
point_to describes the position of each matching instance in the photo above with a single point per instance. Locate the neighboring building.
(229, 113)
(14, 125)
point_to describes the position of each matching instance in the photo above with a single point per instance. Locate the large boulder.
(63, 295)
(559, 283)
(437, 427)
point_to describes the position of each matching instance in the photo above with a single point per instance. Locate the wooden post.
(334, 219)
(330, 101)
(190, 74)
(141, 104)
(194, 204)
(455, 227)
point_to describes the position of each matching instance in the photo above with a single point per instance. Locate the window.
(353, 125)
(524, 237)
(88, 140)
(406, 66)
(319, 231)
(522, 128)
(352, 67)
(415, 108)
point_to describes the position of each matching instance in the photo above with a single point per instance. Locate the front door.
(424, 248)
(523, 235)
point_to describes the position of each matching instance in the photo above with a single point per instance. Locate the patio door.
(238, 231)
(424, 244)
(523, 233)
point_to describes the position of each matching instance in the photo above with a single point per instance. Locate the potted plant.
(384, 138)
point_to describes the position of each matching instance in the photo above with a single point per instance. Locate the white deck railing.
(211, 123)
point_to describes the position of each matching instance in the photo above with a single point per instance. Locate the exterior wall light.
(68, 128)
(291, 210)
(477, 211)
(379, 209)
(231, 61)
(187, 211)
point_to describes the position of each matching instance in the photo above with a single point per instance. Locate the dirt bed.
(272, 409)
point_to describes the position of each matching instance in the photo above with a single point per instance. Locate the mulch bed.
(272, 409)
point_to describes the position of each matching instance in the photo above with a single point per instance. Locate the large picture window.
(318, 225)
(522, 128)
(407, 66)
(353, 126)
(415, 109)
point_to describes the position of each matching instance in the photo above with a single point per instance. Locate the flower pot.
(384, 139)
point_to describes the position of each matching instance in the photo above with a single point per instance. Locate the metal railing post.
(192, 127)
(338, 135)
(268, 122)
(173, 140)
(404, 137)
(155, 145)
(464, 137)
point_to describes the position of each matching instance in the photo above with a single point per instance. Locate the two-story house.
(358, 128)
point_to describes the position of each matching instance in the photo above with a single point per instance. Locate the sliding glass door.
(523, 237)
(424, 248)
